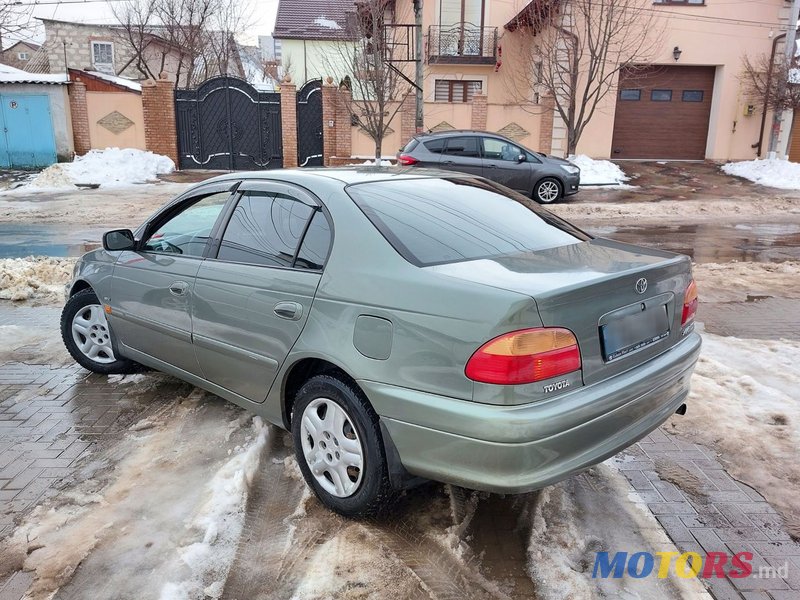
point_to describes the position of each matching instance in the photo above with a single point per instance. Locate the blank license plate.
(632, 332)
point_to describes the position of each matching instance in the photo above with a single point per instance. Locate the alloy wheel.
(548, 191)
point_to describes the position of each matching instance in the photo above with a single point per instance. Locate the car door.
(152, 288)
(461, 153)
(254, 294)
(501, 163)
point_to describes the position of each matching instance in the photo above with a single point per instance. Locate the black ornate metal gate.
(226, 123)
(309, 124)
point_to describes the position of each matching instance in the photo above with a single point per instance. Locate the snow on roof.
(10, 74)
(128, 83)
(327, 23)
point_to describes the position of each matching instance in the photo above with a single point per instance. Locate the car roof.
(345, 175)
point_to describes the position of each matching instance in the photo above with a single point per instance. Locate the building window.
(23, 55)
(452, 90)
(661, 96)
(103, 56)
(630, 95)
(692, 96)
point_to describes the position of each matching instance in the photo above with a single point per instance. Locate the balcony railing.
(463, 43)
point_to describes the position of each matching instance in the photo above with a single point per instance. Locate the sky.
(100, 12)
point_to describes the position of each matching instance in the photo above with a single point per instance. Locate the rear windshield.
(413, 143)
(437, 221)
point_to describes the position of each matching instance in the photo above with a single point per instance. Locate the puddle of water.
(711, 242)
(18, 240)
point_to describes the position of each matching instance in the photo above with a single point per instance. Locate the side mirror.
(119, 239)
(522, 158)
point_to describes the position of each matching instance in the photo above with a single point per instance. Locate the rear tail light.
(689, 304)
(525, 356)
(406, 160)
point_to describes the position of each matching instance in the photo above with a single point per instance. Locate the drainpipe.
(760, 143)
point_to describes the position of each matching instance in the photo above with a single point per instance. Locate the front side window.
(462, 146)
(187, 232)
(437, 221)
(265, 229)
(495, 149)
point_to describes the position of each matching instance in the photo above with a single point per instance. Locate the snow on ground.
(594, 512)
(772, 172)
(38, 278)
(734, 282)
(170, 509)
(112, 167)
(599, 172)
(744, 403)
(31, 344)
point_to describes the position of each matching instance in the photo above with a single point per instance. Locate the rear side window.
(316, 243)
(437, 221)
(264, 229)
(435, 146)
(462, 146)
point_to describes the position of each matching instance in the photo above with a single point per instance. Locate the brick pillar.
(408, 118)
(479, 112)
(546, 126)
(344, 130)
(289, 122)
(328, 121)
(80, 117)
(158, 105)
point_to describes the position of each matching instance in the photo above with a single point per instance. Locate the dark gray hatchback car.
(541, 177)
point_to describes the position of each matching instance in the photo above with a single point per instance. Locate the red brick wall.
(158, 105)
(289, 122)
(344, 130)
(329, 131)
(546, 126)
(479, 109)
(80, 117)
(408, 118)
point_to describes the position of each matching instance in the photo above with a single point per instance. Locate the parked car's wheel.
(337, 441)
(547, 190)
(88, 337)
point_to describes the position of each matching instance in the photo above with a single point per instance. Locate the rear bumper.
(513, 449)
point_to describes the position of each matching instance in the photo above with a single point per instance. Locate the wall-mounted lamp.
(676, 53)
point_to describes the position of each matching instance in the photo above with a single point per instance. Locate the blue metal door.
(27, 139)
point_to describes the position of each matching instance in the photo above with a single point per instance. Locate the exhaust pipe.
(681, 410)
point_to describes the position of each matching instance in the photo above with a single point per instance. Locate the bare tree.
(184, 25)
(363, 61)
(574, 50)
(15, 20)
(136, 21)
(775, 84)
(229, 18)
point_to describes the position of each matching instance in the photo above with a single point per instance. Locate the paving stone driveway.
(51, 419)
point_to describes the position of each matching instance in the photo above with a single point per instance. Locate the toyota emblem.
(641, 285)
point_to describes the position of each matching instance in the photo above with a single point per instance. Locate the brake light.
(689, 304)
(406, 160)
(525, 356)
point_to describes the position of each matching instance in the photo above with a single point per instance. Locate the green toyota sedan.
(404, 325)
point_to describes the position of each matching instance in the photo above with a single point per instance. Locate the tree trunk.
(378, 153)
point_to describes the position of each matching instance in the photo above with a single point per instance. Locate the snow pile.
(598, 172)
(34, 278)
(220, 521)
(111, 167)
(384, 162)
(744, 402)
(773, 172)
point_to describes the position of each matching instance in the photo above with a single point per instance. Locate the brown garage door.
(662, 112)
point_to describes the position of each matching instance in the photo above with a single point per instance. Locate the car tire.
(88, 336)
(334, 429)
(548, 190)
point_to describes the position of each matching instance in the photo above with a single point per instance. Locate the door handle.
(178, 288)
(288, 310)
(449, 162)
(492, 166)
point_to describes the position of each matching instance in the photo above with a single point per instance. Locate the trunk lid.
(591, 289)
